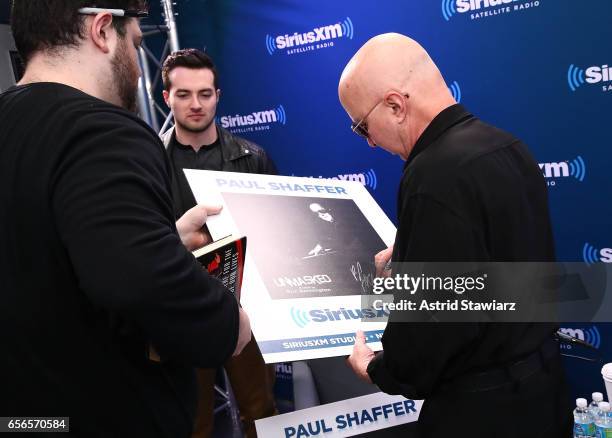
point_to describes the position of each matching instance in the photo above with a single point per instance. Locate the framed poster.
(310, 258)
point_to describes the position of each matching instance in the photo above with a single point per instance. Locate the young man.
(469, 192)
(192, 92)
(94, 274)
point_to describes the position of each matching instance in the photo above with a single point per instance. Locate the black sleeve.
(114, 213)
(268, 166)
(417, 355)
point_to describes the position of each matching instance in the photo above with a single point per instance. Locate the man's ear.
(218, 94)
(101, 31)
(166, 95)
(398, 105)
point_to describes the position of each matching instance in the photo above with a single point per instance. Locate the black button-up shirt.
(469, 192)
(208, 157)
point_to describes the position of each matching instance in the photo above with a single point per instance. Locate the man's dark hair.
(52, 24)
(190, 58)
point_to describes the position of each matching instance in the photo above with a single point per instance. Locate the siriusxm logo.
(284, 368)
(564, 169)
(318, 38)
(592, 255)
(455, 91)
(484, 8)
(302, 318)
(256, 121)
(577, 77)
(590, 335)
(367, 178)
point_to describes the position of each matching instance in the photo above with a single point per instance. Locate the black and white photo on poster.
(307, 246)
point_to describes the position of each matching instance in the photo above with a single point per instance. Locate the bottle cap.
(604, 406)
(597, 396)
(581, 403)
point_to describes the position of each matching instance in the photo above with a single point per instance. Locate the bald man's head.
(393, 81)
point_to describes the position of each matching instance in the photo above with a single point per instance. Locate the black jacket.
(92, 270)
(470, 192)
(239, 155)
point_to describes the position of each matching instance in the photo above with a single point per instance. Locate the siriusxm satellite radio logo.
(564, 169)
(455, 91)
(318, 38)
(256, 121)
(302, 318)
(484, 8)
(589, 335)
(367, 178)
(592, 255)
(577, 77)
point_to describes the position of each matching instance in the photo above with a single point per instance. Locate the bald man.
(469, 192)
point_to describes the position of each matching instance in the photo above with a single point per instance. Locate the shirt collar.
(178, 144)
(447, 118)
(184, 147)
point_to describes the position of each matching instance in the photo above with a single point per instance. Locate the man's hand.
(380, 261)
(244, 332)
(190, 226)
(360, 357)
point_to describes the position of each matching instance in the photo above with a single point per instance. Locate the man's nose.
(195, 104)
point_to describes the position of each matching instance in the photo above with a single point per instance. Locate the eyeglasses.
(361, 128)
(115, 12)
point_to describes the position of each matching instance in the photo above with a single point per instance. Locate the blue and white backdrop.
(540, 69)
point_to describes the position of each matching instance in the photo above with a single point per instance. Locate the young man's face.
(192, 98)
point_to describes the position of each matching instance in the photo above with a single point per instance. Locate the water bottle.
(603, 422)
(594, 406)
(583, 421)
